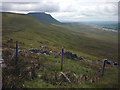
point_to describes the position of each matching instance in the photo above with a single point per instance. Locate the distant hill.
(44, 17)
(105, 24)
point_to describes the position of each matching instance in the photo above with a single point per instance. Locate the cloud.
(59, 0)
(33, 6)
(68, 10)
(88, 11)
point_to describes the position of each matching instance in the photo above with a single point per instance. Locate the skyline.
(67, 10)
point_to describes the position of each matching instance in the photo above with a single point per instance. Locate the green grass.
(80, 39)
(87, 42)
(52, 64)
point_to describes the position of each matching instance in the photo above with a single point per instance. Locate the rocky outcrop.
(70, 55)
(112, 63)
(38, 51)
(67, 54)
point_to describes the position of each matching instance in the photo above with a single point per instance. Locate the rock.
(108, 63)
(32, 50)
(51, 52)
(10, 40)
(80, 58)
(115, 63)
(88, 60)
(59, 53)
(70, 55)
(41, 42)
(43, 46)
(46, 52)
(38, 53)
(74, 56)
(112, 63)
(19, 51)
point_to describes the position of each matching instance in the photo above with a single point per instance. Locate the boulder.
(70, 55)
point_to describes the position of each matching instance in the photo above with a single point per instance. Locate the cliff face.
(44, 17)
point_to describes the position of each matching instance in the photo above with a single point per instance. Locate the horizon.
(61, 21)
(67, 10)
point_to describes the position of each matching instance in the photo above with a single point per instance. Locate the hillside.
(80, 39)
(44, 17)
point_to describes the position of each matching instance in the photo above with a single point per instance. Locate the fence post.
(62, 59)
(16, 52)
(103, 67)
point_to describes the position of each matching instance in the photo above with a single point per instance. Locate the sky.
(66, 10)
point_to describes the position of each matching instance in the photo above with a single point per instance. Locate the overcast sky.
(67, 10)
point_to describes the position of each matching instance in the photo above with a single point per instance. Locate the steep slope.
(43, 71)
(44, 17)
(83, 40)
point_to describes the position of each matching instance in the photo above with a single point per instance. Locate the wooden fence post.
(16, 52)
(103, 67)
(62, 59)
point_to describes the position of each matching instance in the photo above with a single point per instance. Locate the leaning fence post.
(16, 52)
(62, 59)
(103, 67)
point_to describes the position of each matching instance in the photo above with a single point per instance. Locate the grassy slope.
(52, 64)
(83, 40)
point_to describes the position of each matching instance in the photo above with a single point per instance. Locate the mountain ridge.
(42, 16)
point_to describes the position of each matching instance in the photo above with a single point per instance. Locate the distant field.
(112, 26)
(81, 39)
(105, 24)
